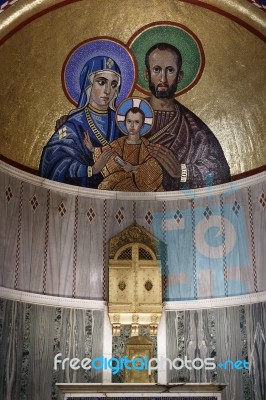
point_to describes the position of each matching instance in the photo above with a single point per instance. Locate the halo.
(90, 48)
(177, 35)
(134, 102)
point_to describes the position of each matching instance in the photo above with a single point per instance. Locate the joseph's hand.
(166, 158)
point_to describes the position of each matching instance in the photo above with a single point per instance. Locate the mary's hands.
(166, 158)
(87, 142)
(102, 160)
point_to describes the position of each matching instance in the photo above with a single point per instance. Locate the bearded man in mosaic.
(188, 151)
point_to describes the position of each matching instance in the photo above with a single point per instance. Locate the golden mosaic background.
(230, 96)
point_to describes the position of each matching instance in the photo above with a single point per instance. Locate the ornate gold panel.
(135, 286)
(133, 234)
(138, 347)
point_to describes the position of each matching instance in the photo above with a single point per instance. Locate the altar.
(132, 391)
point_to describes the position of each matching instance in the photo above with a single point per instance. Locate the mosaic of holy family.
(114, 140)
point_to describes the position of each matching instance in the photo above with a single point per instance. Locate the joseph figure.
(188, 151)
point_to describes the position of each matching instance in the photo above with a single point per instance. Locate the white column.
(107, 345)
(161, 348)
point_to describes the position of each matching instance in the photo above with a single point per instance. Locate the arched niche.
(135, 280)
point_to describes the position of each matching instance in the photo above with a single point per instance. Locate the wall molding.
(41, 299)
(67, 302)
(107, 194)
(220, 302)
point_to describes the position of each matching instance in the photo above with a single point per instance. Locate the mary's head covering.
(90, 69)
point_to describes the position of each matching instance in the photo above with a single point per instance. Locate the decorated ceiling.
(133, 96)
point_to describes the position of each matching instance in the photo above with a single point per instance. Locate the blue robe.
(65, 158)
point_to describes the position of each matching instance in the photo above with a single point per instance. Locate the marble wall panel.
(233, 333)
(190, 334)
(89, 268)
(32, 239)
(97, 343)
(60, 245)
(30, 337)
(76, 336)
(179, 259)
(256, 328)
(149, 214)
(258, 243)
(208, 247)
(240, 274)
(119, 215)
(229, 347)
(40, 351)
(10, 359)
(10, 200)
(173, 346)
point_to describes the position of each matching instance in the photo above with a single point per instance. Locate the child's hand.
(129, 167)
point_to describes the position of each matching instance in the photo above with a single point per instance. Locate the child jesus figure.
(131, 168)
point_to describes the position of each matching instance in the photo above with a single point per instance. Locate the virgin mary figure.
(65, 158)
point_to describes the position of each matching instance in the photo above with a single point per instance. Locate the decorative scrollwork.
(134, 234)
(122, 285)
(148, 285)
